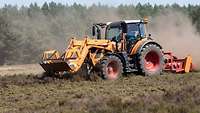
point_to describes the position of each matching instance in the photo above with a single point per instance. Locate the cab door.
(135, 31)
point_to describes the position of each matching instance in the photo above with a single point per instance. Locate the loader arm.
(75, 55)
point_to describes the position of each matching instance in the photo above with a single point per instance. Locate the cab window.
(135, 29)
(113, 32)
(142, 32)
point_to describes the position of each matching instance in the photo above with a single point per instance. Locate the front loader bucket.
(55, 66)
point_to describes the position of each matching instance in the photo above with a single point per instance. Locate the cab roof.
(125, 21)
(132, 21)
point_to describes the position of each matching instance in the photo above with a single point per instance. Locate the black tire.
(110, 67)
(151, 60)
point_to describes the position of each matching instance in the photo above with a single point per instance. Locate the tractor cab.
(132, 30)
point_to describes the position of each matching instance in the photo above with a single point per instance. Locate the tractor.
(114, 49)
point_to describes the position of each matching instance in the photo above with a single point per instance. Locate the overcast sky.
(107, 2)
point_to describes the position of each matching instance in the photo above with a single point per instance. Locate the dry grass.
(20, 69)
(137, 94)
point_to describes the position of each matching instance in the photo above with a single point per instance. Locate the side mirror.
(98, 34)
(93, 30)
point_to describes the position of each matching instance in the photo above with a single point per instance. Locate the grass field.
(169, 93)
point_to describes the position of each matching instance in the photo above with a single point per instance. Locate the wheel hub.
(112, 70)
(152, 61)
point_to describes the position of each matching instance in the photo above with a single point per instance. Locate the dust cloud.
(172, 29)
(175, 32)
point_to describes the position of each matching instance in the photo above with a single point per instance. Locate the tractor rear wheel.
(110, 67)
(151, 60)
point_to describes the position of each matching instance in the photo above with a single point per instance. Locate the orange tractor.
(115, 48)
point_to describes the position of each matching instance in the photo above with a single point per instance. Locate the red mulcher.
(173, 64)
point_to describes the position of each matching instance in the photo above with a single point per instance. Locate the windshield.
(113, 32)
(135, 29)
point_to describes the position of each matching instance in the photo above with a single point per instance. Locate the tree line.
(26, 31)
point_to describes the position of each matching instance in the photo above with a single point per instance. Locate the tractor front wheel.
(110, 67)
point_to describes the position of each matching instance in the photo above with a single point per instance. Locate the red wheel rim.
(112, 70)
(152, 61)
